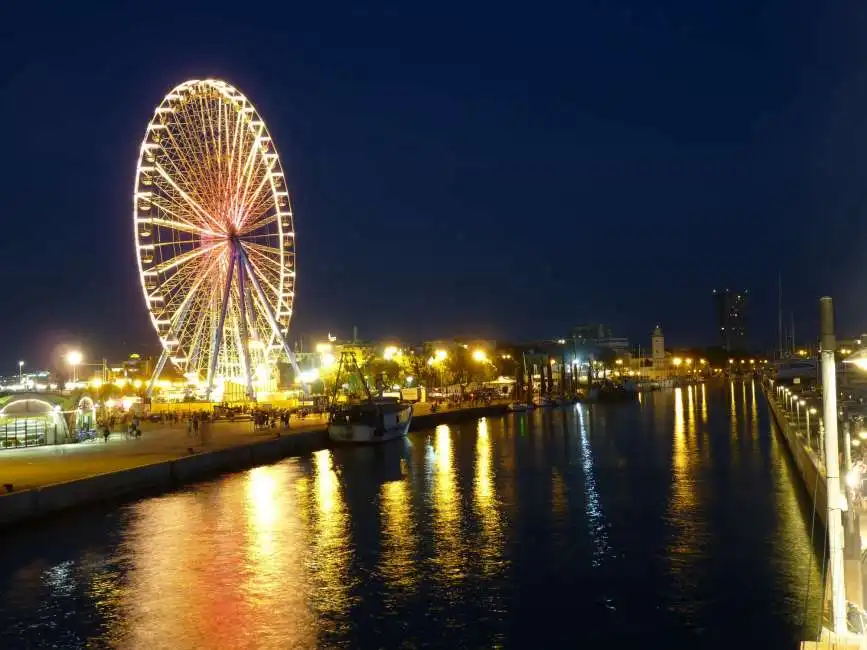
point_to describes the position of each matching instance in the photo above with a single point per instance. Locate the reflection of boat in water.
(609, 392)
(371, 421)
(372, 464)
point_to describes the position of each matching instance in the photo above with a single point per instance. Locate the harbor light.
(328, 360)
(390, 353)
(677, 361)
(441, 355)
(859, 359)
(74, 357)
(480, 356)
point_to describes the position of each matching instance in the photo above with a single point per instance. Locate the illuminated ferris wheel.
(214, 237)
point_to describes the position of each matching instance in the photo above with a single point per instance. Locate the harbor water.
(674, 523)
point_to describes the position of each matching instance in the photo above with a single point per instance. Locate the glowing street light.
(441, 355)
(480, 356)
(20, 372)
(74, 358)
(390, 353)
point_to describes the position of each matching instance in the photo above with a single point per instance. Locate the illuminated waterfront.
(675, 523)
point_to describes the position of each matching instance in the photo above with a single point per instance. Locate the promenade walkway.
(40, 466)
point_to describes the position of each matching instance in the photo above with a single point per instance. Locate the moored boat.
(371, 421)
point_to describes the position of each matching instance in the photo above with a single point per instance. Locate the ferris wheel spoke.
(182, 259)
(188, 130)
(267, 255)
(187, 173)
(265, 278)
(253, 226)
(198, 209)
(251, 165)
(257, 202)
(176, 222)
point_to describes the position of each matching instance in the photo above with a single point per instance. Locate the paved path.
(40, 466)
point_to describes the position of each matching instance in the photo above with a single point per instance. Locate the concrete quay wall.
(37, 503)
(809, 467)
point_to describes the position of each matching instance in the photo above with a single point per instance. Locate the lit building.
(731, 310)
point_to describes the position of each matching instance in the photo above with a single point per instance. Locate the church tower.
(657, 350)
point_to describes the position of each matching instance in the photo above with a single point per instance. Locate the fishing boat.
(370, 421)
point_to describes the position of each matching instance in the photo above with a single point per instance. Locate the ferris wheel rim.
(257, 256)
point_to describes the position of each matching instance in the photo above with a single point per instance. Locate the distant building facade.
(731, 313)
(599, 335)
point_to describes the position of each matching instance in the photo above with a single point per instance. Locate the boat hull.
(359, 433)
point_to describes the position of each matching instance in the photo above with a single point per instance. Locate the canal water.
(675, 523)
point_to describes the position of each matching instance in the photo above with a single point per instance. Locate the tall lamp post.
(74, 359)
(20, 372)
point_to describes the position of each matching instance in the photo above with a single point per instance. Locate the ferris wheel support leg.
(269, 313)
(245, 339)
(157, 370)
(218, 335)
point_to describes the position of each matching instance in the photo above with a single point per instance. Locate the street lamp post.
(809, 412)
(74, 358)
(20, 372)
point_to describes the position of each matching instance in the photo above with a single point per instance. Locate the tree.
(464, 368)
(416, 364)
(607, 357)
(383, 373)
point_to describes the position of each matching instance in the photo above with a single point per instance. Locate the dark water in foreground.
(671, 524)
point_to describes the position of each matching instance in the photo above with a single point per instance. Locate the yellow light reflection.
(399, 539)
(690, 410)
(683, 511)
(447, 508)
(490, 544)
(704, 404)
(330, 533)
(680, 455)
(754, 420)
(275, 540)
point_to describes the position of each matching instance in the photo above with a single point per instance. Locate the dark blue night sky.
(493, 169)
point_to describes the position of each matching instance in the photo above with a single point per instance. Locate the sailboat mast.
(780, 312)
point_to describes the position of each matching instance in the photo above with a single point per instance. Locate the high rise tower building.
(731, 308)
